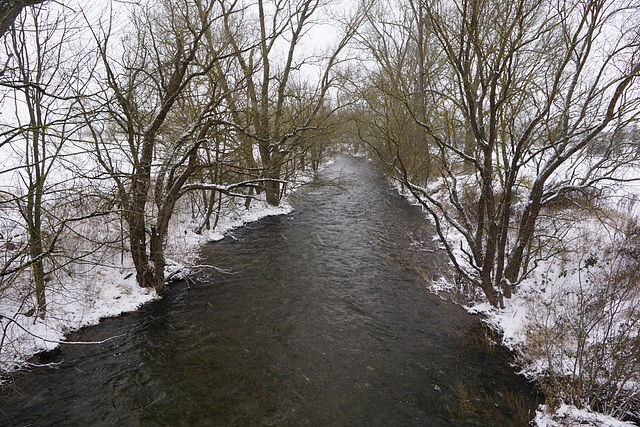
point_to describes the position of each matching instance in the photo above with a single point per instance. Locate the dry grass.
(504, 409)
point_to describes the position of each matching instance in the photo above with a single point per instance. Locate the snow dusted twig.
(218, 269)
(228, 189)
(12, 320)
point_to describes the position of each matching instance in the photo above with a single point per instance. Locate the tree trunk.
(9, 11)
(137, 225)
(206, 222)
(525, 233)
(138, 246)
(158, 262)
(272, 190)
(273, 165)
(35, 252)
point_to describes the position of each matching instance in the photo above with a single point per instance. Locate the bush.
(585, 338)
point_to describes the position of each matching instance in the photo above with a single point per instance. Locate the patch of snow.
(80, 302)
(570, 416)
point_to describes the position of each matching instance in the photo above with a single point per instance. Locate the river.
(321, 317)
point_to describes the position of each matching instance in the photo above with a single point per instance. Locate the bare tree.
(38, 89)
(148, 155)
(390, 100)
(520, 95)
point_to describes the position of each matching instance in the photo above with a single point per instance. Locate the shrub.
(585, 338)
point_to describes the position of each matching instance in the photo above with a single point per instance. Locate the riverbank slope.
(109, 288)
(576, 314)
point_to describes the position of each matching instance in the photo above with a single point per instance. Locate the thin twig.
(11, 319)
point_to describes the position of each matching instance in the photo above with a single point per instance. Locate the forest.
(129, 130)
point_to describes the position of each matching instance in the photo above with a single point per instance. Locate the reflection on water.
(320, 320)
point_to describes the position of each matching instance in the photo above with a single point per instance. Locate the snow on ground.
(570, 416)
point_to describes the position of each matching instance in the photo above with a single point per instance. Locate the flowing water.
(320, 317)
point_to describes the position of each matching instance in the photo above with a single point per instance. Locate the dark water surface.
(323, 320)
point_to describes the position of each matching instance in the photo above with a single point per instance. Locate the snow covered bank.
(81, 298)
(574, 321)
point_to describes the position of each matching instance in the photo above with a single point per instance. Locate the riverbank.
(581, 299)
(108, 288)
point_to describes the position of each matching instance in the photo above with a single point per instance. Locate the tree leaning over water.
(527, 102)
